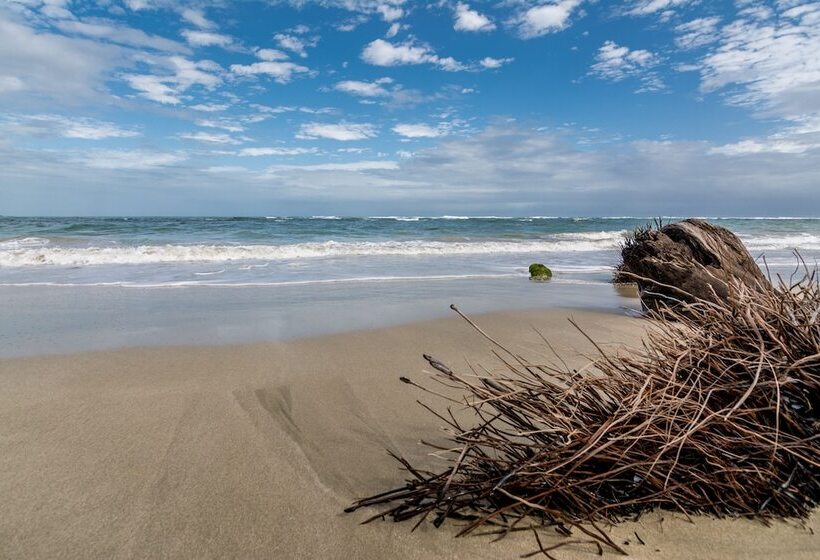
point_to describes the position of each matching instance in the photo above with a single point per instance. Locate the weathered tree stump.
(687, 261)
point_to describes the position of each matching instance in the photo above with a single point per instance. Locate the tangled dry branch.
(716, 413)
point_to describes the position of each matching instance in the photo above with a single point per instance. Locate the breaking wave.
(799, 241)
(14, 253)
(34, 251)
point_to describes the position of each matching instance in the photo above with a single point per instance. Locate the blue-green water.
(276, 251)
(72, 284)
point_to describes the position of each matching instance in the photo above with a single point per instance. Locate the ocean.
(76, 284)
(279, 251)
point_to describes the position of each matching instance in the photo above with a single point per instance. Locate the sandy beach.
(253, 451)
(233, 235)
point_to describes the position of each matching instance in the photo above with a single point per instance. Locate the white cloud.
(295, 43)
(521, 171)
(493, 63)
(754, 146)
(498, 170)
(545, 18)
(232, 169)
(767, 61)
(130, 159)
(169, 88)
(224, 124)
(137, 5)
(769, 65)
(65, 70)
(11, 83)
(355, 166)
(270, 54)
(390, 12)
(189, 73)
(417, 130)
(384, 53)
(119, 34)
(351, 24)
(291, 109)
(68, 127)
(344, 132)
(154, 88)
(210, 107)
(206, 38)
(450, 64)
(56, 9)
(467, 19)
(197, 17)
(88, 129)
(393, 30)
(799, 138)
(755, 11)
(515, 168)
(664, 7)
(266, 151)
(697, 33)
(614, 62)
(364, 89)
(389, 94)
(281, 72)
(210, 138)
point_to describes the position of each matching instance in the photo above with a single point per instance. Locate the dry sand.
(253, 451)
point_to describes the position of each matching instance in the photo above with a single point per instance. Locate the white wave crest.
(85, 256)
(799, 241)
(611, 236)
(22, 243)
(273, 284)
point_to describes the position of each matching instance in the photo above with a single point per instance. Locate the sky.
(397, 107)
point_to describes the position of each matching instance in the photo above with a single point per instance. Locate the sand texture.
(253, 451)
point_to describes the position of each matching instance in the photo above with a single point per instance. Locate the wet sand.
(254, 450)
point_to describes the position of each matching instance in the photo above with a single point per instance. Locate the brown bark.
(688, 260)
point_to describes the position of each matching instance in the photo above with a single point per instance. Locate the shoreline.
(52, 321)
(254, 450)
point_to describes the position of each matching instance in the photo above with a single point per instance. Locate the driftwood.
(700, 260)
(717, 413)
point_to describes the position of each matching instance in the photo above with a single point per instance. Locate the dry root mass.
(716, 413)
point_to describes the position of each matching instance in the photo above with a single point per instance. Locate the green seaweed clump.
(539, 272)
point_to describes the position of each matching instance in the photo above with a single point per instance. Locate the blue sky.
(363, 107)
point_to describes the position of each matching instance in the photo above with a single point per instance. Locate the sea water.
(277, 251)
(71, 284)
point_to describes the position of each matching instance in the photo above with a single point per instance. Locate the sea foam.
(18, 255)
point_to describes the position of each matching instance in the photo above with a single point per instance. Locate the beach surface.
(254, 450)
